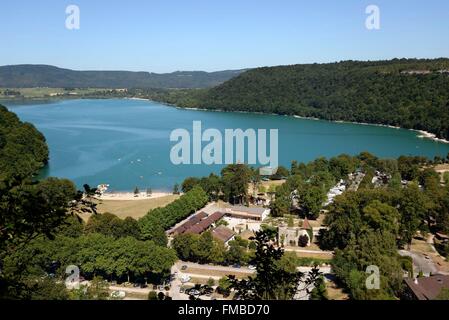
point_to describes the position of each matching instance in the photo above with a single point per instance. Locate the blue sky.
(170, 35)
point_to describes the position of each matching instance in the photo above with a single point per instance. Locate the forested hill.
(30, 76)
(23, 149)
(407, 93)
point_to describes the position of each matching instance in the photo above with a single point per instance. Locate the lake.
(125, 142)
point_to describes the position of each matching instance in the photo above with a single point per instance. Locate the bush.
(303, 241)
(152, 295)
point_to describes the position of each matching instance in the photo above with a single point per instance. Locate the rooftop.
(222, 233)
(428, 288)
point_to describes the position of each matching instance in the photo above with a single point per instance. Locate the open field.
(39, 93)
(133, 208)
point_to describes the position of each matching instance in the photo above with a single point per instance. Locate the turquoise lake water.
(125, 143)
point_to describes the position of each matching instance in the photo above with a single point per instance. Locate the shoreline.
(421, 134)
(130, 196)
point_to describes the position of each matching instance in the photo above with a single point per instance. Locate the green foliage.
(211, 282)
(155, 222)
(98, 289)
(23, 149)
(373, 91)
(152, 295)
(199, 248)
(235, 179)
(111, 225)
(319, 292)
(372, 248)
(94, 254)
(34, 76)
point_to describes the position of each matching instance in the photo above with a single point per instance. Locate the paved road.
(176, 284)
(420, 262)
(206, 267)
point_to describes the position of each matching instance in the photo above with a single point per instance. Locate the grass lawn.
(133, 208)
(48, 92)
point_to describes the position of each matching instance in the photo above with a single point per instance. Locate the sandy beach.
(121, 196)
(428, 135)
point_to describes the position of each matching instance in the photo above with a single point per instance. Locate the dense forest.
(23, 149)
(409, 93)
(31, 76)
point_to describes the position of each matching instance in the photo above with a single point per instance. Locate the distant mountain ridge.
(30, 76)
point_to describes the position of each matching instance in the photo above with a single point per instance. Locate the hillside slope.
(30, 76)
(412, 94)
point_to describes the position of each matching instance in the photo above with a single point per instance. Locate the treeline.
(380, 92)
(122, 259)
(32, 76)
(154, 224)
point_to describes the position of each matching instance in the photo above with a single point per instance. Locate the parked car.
(237, 266)
(118, 294)
(184, 267)
(251, 267)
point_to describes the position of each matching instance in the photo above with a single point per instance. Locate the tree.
(184, 245)
(370, 248)
(211, 282)
(98, 289)
(235, 179)
(136, 191)
(312, 201)
(189, 183)
(152, 295)
(271, 282)
(412, 207)
(303, 241)
(149, 192)
(319, 292)
(47, 289)
(381, 216)
(224, 286)
(176, 189)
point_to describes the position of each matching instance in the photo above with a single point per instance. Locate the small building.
(425, 288)
(248, 213)
(289, 236)
(205, 224)
(224, 234)
(193, 220)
